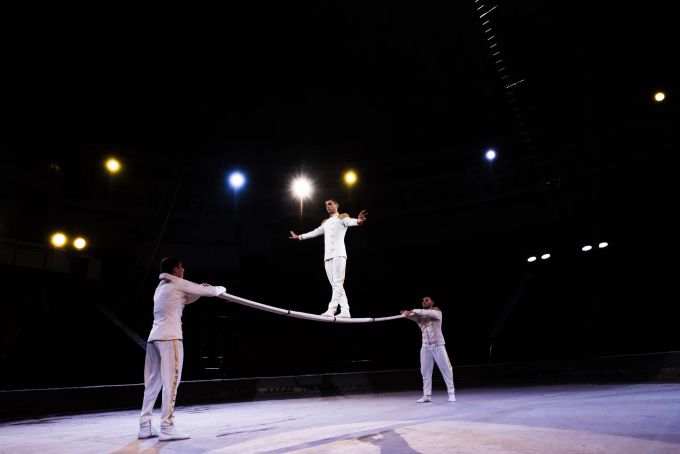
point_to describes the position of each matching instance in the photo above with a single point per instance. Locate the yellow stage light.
(351, 177)
(113, 165)
(58, 239)
(79, 243)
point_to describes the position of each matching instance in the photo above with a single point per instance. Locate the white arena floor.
(635, 418)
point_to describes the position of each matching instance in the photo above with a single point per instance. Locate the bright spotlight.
(586, 248)
(79, 243)
(351, 177)
(545, 256)
(603, 244)
(659, 96)
(58, 239)
(531, 259)
(237, 180)
(490, 154)
(301, 187)
(113, 165)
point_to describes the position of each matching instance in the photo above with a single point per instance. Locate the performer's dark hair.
(429, 295)
(170, 263)
(331, 199)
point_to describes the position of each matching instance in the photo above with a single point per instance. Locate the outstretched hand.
(406, 313)
(362, 216)
(294, 236)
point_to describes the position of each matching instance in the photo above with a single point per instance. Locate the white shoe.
(329, 313)
(344, 314)
(452, 397)
(146, 430)
(170, 433)
(424, 399)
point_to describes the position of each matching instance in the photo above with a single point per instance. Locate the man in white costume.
(164, 348)
(429, 319)
(335, 255)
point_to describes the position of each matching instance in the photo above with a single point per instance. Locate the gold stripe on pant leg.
(173, 391)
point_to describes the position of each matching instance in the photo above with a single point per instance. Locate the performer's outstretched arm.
(193, 290)
(352, 222)
(410, 315)
(433, 313)
(362, 217)
(305, 236)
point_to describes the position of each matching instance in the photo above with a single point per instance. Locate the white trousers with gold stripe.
(162, 369)
(430, 355)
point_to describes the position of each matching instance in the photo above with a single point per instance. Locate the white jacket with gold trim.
(172, 294)
(333, 229)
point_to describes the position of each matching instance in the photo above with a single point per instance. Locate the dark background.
(410, 97)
